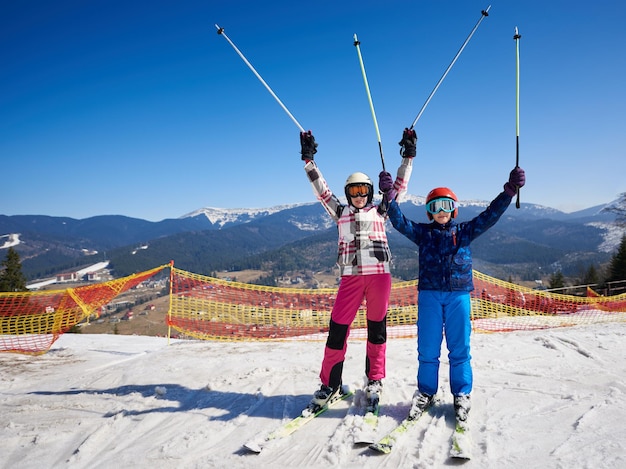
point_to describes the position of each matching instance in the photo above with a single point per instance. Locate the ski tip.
(381, 448)
(460, 449)
(253, 447)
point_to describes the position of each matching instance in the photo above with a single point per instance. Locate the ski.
(257, 445)
(366, 434)
(461, 441)
(365, 427)
(386, 443)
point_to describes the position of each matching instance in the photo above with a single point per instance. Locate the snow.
(221, 216)
(43, 283)
(548, 398)
(93, 268)
(612, 236)
(12, 239)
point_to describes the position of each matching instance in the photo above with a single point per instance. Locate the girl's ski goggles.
(358, 190)
(438, 205)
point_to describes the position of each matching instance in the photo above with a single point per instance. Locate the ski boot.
(421, 401)
(462, 406)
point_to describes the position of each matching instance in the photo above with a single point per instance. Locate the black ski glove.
(408, 143)
(308, 145)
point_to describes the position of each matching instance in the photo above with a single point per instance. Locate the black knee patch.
(335, 375)
(337, 335)
(377, 331)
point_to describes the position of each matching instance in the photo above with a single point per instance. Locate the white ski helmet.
(356, 179)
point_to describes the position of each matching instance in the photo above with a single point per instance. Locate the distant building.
(92, 276)
(67, 277)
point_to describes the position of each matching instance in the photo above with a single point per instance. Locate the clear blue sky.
(142, 109)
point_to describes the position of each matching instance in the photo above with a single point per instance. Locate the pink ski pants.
(353, 289)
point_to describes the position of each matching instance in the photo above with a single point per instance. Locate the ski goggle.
(358, 190)
(441, 205)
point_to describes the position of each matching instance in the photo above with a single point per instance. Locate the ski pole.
(221, 32)
(517, 37)
(484, 13)
(369, 97)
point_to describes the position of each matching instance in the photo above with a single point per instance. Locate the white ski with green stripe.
(366, 433)
(387, 442)
(461, 447)
(257, 445)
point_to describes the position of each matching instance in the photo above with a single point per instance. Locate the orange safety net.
(209, 308)
(213, 309)
(499, 306)
(30, 322)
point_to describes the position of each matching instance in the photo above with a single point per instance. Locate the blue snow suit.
(445, 283)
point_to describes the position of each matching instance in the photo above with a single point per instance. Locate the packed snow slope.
(550, 399)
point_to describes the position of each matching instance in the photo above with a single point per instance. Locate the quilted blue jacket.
(445, 257)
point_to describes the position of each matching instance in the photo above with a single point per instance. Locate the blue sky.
(142, 109)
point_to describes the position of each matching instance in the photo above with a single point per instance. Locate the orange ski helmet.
(441, 193)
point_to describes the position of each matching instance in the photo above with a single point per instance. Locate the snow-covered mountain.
(224, 216)
(314, 219)
(209, 234)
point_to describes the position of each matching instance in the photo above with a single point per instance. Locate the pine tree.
(591, 276)
(557, 280)
(617, 268)
(11, 277)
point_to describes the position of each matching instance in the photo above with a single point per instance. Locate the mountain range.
(530, 242)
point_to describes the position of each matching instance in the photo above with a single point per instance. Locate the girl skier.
(363, 260)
